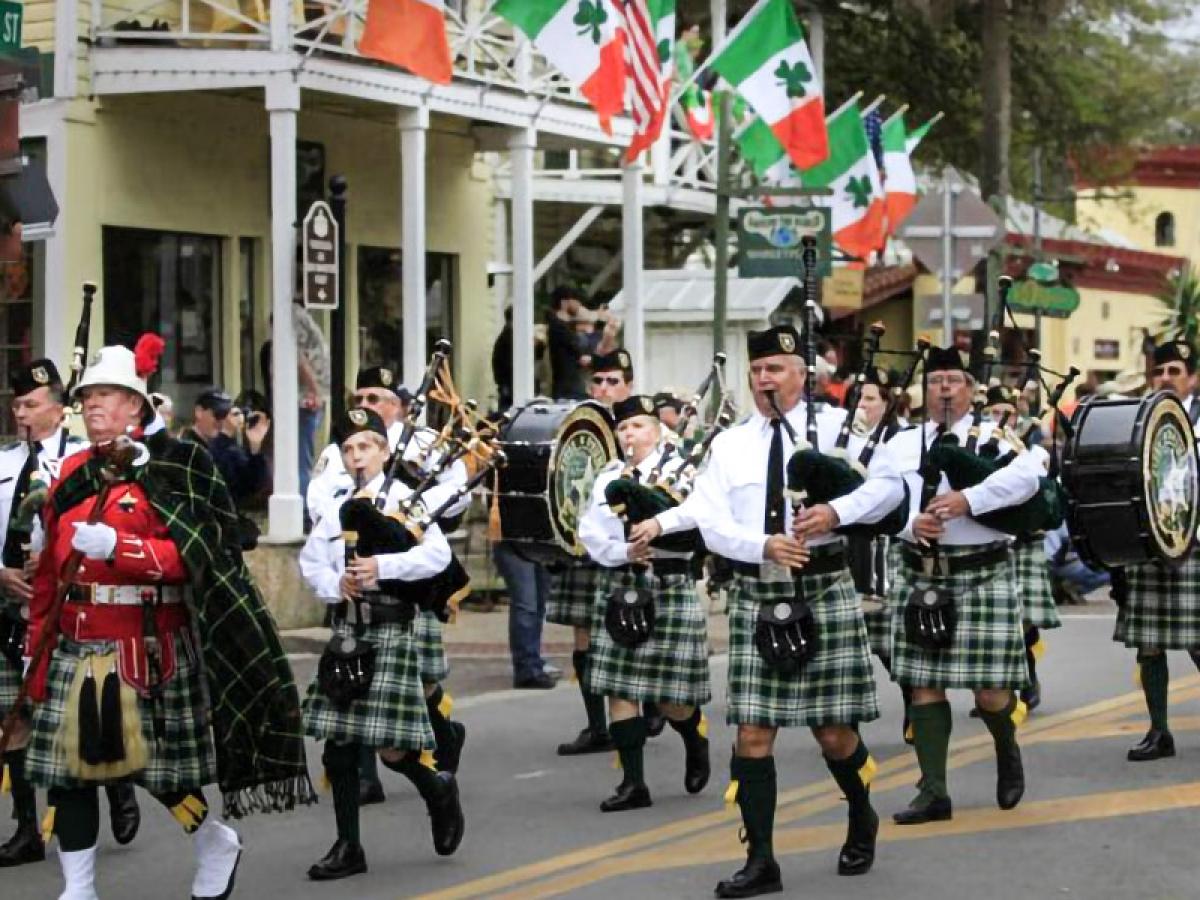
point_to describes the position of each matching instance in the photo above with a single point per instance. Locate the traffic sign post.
(319, 262)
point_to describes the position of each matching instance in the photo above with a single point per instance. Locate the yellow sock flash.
(324, 785)
(1039, 649)
(731, 793)
(446, 705)
(190, 812)
(6, 782)
(908, 732)
(616, 761)
(1137, 675)
(1019, 714)
(866, 773)
(48, 825)
(702, 728)
(427, 760)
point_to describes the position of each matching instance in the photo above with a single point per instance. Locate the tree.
(1181, 308)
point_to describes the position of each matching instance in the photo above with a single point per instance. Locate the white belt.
(127, 594)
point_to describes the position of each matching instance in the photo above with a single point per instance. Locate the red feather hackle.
(146, 353)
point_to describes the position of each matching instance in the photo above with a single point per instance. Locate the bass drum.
(1130, 473)
(554, 450)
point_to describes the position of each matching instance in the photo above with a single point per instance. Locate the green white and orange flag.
(900, 182)
(583, 39)
(410, 34)
(857, 202)
(766, 60)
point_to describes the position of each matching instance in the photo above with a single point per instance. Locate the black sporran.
(930, 618)
(629, 616)
(786, 636)
(12, 639)
(346, 669)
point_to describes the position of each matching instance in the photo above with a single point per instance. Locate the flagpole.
(842, 108)
(717, 51)
(874, 105)
(901, 111)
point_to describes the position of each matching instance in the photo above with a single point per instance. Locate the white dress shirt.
(728, 501)
(55, 448)
(323, 559)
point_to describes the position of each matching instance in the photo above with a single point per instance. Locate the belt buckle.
(935, 565)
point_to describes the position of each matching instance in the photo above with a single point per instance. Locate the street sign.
(843, 289)
(974, 228)
(769, 241)
(10, 27)
(319, 264)
(1043, 292)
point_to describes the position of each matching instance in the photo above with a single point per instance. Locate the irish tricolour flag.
(766, 60)
(410, 34)
(900, 183)
(857, 202)
(583, 39)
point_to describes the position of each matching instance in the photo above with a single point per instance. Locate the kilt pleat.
(835, 687)
(393, 714)
(431, 649)
(185, 759)
(572, 598)
(672, 666)
(1033, 585)
(1164, 607)
(989, 644)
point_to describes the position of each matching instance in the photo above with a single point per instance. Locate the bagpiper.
(654, 649)
(368, 690)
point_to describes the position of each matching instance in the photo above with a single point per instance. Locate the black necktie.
(773, 519)
(13, 557)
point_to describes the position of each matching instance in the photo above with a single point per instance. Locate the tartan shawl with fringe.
(255, 707)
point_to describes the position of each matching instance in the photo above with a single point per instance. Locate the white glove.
(94, 541)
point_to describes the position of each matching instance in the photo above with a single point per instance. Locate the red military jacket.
(145, 554)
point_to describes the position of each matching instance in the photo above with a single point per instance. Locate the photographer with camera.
(217, 424)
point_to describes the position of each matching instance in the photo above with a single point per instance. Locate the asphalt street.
(1091, 825)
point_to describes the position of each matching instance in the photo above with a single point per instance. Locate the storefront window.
(169, 283)
(380, 305)
(16, 326)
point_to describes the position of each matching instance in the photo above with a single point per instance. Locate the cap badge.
(40, 375)
(787, 343)
(358, 417)
(647, 405)
(623, 358)
(385, 375)
(1184, 351)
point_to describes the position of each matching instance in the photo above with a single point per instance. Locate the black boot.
(1155, 745)
(594, 738)
(697, 767)
(756, 796)
(123, 812)
(25, 846)
(587, 741)
(629, 737)
(439, 790)
(345, 858)
(853, 776)
(760, 875)
(1010, 773)
(1158, 742)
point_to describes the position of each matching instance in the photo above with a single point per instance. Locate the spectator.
(570, 350)
(669, 408)
(312, 359)
(528, 586)
(217, 424)
(502, 359)
(165, 407)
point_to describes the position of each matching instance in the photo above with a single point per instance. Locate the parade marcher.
(1162, 607)
(165, 668)
(24, 477)
(1038, 609)
(670, 667)
(965, 568)
(738, 503)
(387, 715)
(376, 389)
(669, 409)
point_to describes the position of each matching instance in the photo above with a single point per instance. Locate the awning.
(686, 295)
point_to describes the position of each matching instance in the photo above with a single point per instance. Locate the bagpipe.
(635, 501)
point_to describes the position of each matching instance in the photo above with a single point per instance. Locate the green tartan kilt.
(10, 684)
(431, 649)
(1033, 585)
(185, 760)
(393, 714)
(1164, 607)
(989, 642)
(572, 598)
(835, 687)
(672, 666)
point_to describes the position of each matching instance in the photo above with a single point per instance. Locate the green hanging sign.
(1042, 291)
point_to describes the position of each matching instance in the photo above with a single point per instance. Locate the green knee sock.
(853, 775)
(629, 737)
(1001, 724)
(424, 778)
(1155, 678)
(593, 704)
(23, 794)
(341, 766)
(931, 736)
(756, 795)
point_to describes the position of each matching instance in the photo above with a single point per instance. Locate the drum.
(1129, 470)
(554, 450)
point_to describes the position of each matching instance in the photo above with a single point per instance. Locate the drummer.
(1162, 610)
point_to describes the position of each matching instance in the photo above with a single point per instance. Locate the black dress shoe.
(1032, 696)
(858, 853)
(539, 682)
(25, 846)
(937, 809)
(697, 768)
(343, 860)
(446, 817)
(448, 758)
(758, 876)
(1155, 745)
(587, 741)
(1010, 778)
(370, 792)
(123, 812)
(628, 796)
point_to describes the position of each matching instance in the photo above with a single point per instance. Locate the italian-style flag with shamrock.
(583, 39)
(698, 111)
(857, 202)
(767, 61)
(900, 183)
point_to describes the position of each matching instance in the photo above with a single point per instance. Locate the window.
(169, 283)
(380, 305)
(16, 324)
(1164, 230)
(1104, 348)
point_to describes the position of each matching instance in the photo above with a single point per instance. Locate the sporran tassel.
(90, 738)
(112, 741)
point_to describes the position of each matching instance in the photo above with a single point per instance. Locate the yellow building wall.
(200, 163)
(1134, 218)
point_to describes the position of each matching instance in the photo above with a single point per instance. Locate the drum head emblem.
(586, 444)
(1170, 480)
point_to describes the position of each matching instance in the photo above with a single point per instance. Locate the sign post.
(319, 257)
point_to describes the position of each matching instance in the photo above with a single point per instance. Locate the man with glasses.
(216, 425)
(1162, 609)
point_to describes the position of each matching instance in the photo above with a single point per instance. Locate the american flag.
(649, 76)
(873, 124)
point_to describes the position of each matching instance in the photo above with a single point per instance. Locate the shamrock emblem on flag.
(793, 77)
(859, 190)
(589, 17)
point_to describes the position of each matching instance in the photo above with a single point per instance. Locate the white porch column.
(414, 124)
(521, 144)
(286, 507)
(59, 312)
(632, 262)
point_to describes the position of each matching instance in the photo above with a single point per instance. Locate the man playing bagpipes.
(798, 651)
(27, 467)
(376, 390)
(153, 656)
(368, 691)
(649, 640)
(961, 625)
(1162, 608)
